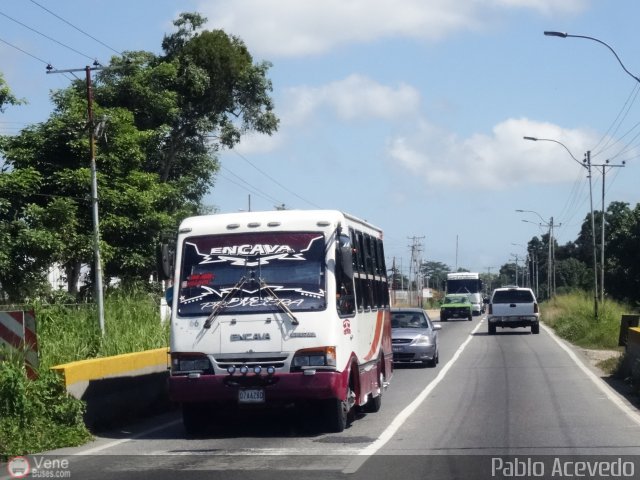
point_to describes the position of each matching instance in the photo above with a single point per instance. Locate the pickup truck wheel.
(443, 318)
(470, 317)
(535, 329)
(492, 329)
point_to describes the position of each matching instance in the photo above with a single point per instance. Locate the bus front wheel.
(337, 412)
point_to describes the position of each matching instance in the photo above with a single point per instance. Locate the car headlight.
(422, 340)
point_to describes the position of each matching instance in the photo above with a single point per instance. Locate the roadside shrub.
(36, 415)
(39, 415)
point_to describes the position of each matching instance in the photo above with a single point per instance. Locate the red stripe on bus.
(376, 336)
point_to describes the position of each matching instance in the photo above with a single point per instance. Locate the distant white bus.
(469, 283)
(279, 307)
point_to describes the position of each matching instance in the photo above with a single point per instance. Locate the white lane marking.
(604, 388)
(115, 443)
(404, 415)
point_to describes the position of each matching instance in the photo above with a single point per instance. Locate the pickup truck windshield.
(279, 268)
(512, 296)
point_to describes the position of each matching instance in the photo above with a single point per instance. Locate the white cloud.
(355, 97)
(502, 159)
(295, 27)
(253, 142)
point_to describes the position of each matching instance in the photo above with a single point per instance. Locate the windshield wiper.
(279, 302)
(222, 304)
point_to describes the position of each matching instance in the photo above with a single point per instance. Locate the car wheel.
(492, 329)
(470, 317)
(443, 319)
(433, 362)
(535, 329)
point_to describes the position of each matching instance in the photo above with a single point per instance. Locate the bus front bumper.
(275, 389)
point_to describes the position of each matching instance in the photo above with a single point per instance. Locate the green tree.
(436, 272)
(6, 97)
(622, 249)
(571, 274)
(160, 119)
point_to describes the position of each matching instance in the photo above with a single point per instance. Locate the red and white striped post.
(18, 332)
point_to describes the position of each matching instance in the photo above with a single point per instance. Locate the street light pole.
(551, 261)
(586, 164)
(566, 35)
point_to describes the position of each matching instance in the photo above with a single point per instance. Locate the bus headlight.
(182, 363)
(314, 357)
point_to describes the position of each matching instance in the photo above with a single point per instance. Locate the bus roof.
(276, 220)
(462, 276)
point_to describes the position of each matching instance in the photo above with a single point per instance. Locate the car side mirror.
(437, 326)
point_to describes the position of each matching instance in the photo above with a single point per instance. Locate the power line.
(617, 122)
(46, 36)
(78, 29)
(247, 186)
(25, 52)
(276, 181)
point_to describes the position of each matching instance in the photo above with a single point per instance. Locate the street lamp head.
(534, 139)
(555, 34)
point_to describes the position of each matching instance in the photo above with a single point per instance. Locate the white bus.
(469, 283)
(279, 307)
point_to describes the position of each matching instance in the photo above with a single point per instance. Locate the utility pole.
(489, 278)
(516, 257)
(416, 249)
(593, 237)
(94, 187)
(602, 242)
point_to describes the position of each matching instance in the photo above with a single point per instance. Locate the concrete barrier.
(119, 388)
(631, 361)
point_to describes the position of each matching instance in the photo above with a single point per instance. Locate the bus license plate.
(251, 395)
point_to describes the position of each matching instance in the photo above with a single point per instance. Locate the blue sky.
(407, 113)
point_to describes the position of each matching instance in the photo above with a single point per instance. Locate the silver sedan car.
(414, 337)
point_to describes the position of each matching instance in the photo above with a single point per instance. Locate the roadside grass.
(572, 317)
(39, 415)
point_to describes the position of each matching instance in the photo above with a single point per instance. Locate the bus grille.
(264, 361)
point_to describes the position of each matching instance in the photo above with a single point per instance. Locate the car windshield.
(408, 320)
(252, 273)
(456, 300)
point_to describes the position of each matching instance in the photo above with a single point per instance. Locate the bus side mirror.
(166, 261)
(347, 261)
(168, 296)
(345, 252)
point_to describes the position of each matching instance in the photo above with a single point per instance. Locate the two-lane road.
(509, 394)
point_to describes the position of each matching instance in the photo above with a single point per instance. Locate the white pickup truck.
(513, 307)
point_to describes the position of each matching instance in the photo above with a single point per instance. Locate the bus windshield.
(252, 273)
(467, 285)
